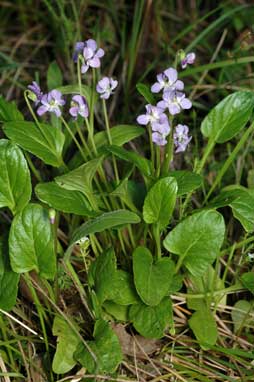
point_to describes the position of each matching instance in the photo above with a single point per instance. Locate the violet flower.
(106, 86)
(91, 55)
(159, 139)
(35, 93)
(79, 47)
(78, 107)
(153, 114)
(174, 101)
(167, 81)
(181, 138)
(188, 59)
(51, 102)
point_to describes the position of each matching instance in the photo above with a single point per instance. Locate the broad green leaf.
(120, 312)
(208, 283)
(152, 279)
(31, 243)
(247, 280)
(228, 117)
(120, 135)
(241, 201)
(47, 146)
(152, 321)
(203, 325)
(122, 289)
(145, 91)
(105, 347)
(143, 164)
(160, 202)
(63, 200)
(81, 178)
(67, 343)
(186, 181)
(105, 221)
(9, 280)
(15, 182)
(9, 111)
(74, 89)
(197, 240)
(54, 76)
(242, 314)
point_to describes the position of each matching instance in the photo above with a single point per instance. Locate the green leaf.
(151, 321)
(31, 243)
(105, 221)
(120, 135)
(208, 283)
(15, 182)
(242, 314)
(197, 240)
(47, 146)
(119, 312)
(9, 111)
(122, 289)
(81, 178)
(54, 76)
(145, 91)
(143, 164)
(67, 343)
(160, 202)
(105, 347)
(186, 181)
(227, 118)
(203, 325)
(9, 280)
(152, 279)
(247, 280)
(63, 200)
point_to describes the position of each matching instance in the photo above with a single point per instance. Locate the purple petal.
(94, 62)
(73, 111)
(113, 83)
(171, 73)
(57, 111)
(100, 53)
(84, 68)
(179, 85)
(42, 109)
(162, 105)
(104, 83)
(88, 53)
(91, 44)
(156, 87)
(191, 58)
(174, 108)
(143, 119)
(158, 139)
(185, 103)
(184, 63)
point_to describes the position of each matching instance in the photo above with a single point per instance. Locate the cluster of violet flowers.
(53, 101)
(172, 103)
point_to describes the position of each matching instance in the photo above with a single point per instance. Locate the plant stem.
(74, 138)
(156, 233)
(168, 151)
(32, 167)
(151, 146)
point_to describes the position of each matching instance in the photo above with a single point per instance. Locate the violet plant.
(126, 220)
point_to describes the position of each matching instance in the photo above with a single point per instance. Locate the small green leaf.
(63, 200)
(120, 135)
(105, 347)
(122, 289)
(203, 325)
(9, 280)
(9, 111)
(228, 117)
(47, 146)
(81, 178)
(197, 240)
(186, 181)
(151, 321)
(152, 279)
(145, 91)
(160, 202)
(247, 280)
(143, 164)
(105, 221)
(54, 76)
(15, 182)
(242, 314)
(31, 243)
(119, 312)
(67, 343)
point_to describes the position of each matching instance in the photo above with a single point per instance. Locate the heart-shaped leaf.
(31, 243)
(152, 279)
(186, 181)
(160, 202)
(152, 321)
(15, 182)
(197, 240)
(203, 324)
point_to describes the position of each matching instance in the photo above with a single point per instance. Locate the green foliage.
(242, 314)
(15, 182)
(54, 76)
(31, 243)
(186, 181)
(45, 142)
(145, 91)
(9, 111)
(203, 324)
(160, 202)
(152, 279)
(206, 230)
